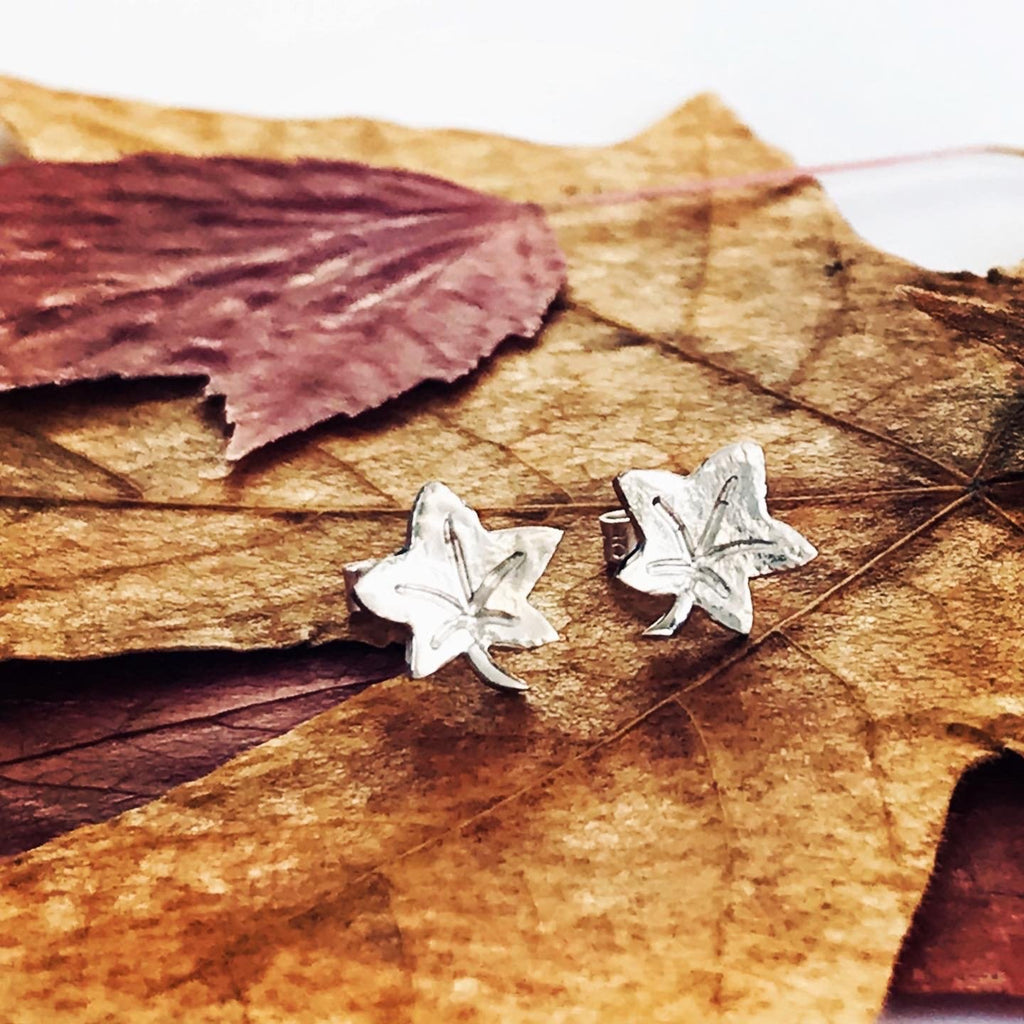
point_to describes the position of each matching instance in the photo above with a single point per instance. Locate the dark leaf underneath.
(83, 741)
(967, 937)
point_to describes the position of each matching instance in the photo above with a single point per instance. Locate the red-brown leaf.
(301, 290)
(989, 309)
(81, 742)
(967, 937)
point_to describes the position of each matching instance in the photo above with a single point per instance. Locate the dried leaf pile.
(703, 828)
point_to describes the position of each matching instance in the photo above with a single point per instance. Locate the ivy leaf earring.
(701, 537)
(460, 588)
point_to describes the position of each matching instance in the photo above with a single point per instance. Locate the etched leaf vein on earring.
(699, 554)
(472, 605)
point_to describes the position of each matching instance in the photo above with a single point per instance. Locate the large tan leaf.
(705, 828)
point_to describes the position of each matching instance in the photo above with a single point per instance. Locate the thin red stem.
(783, 176)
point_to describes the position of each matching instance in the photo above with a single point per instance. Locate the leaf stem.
(491, 674)
(777, 178)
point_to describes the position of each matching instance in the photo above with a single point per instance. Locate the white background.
(826, 79)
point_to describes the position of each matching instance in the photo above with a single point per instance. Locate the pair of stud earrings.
(462, 589)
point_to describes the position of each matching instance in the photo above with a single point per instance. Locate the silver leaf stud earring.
(700, 538)
(460, 588)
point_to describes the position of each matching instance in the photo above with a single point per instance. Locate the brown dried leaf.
(11, 148)
(299, 291)
(989, 310)
(706, 829)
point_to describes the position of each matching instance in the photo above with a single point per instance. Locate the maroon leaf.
(83, 741)
(967, 937)
(301, 290)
